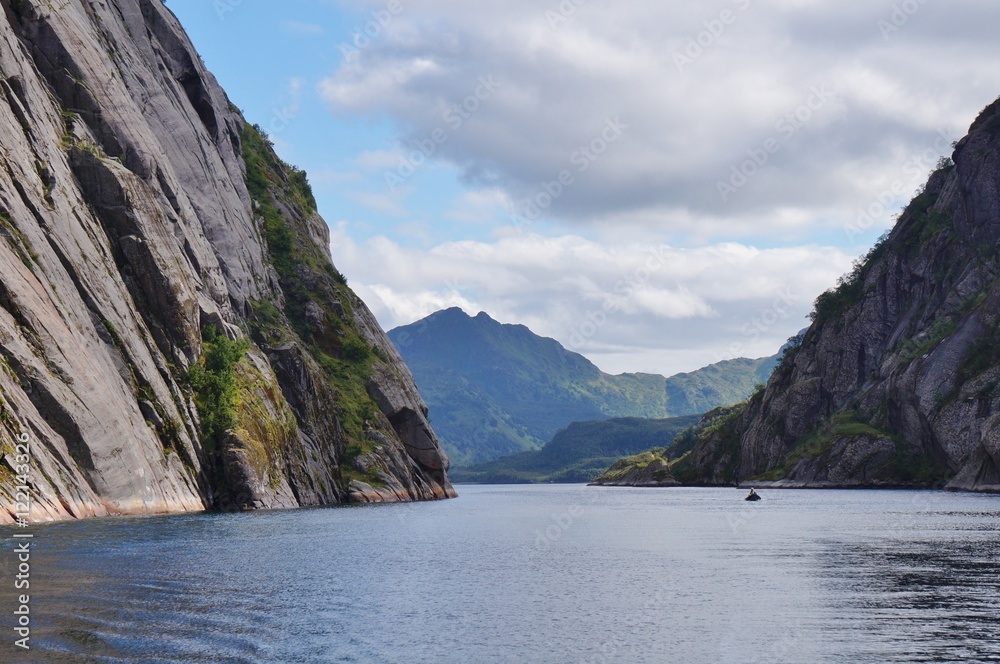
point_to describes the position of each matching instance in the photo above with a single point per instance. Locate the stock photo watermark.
(282, 117)
(363, 36)
(902, 13)
(916, 167)
(785, 128)
(456, 116)
(225, 7)
(624, 290)
(22, 541)
(563, 12)
(715, 28)
(780, 310)
(561, 523)
(581, 159)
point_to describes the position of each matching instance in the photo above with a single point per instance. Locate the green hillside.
(496, 389)
(721, 384)
(580, 452)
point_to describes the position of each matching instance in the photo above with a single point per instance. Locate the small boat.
(752, 496)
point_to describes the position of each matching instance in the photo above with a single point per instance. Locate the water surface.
(529, 574)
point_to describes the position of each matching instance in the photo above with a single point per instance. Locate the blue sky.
(655, 185)
(269, 57)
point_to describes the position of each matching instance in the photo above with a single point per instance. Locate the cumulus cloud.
(658, 185)
(628, 306)
(815, 106)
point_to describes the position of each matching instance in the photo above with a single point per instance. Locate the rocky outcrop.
(138, 210)
(896, 381)
(643, 470)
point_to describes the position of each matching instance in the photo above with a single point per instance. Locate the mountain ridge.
(579, 452)
(494, 389)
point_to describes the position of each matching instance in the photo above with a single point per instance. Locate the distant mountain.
(496, 389)
(672, 464)
(580, 452)
(721, 384)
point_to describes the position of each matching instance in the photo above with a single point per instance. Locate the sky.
(656, 185)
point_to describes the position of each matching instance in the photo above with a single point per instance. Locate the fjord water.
(531, 574)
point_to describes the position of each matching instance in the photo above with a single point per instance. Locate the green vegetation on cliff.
(317, 308)
(214, 383)
(621, 468)
(850, 287)
(265, 426)
(714, 444)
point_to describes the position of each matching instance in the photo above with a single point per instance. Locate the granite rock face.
(137, 210)
(896, 382)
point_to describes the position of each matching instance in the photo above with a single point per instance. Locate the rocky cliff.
(173, 334)
(897, 381)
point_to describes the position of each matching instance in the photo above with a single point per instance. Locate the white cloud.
(688, 124)
(847, 120)
(478, 206)
(628, 306)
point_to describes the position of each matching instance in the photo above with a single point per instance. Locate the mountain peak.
(496, 388)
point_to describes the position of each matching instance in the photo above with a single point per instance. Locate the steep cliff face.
(173, 334)
(896, 382)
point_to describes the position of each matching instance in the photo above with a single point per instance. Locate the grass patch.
(265, 425)
(213, 380)
(941, 329)
(842, 426)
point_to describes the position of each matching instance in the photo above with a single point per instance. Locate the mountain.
(173, 333)
(897, 380)
(721, 384)
(659, 467)
(496, 389)
(578, 453)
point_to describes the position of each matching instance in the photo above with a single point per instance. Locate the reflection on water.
(530, 574)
